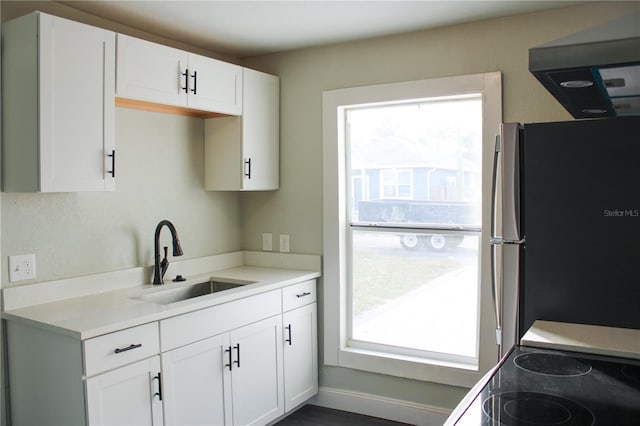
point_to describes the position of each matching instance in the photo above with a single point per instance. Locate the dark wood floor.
(312, 415)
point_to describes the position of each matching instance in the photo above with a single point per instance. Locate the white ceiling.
(248, 28)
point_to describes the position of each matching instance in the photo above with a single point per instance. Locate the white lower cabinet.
(230, 379)
(130, 395)
(229, 364)
(300, 355)
(56, 379)
(256, 372)
(195, 382)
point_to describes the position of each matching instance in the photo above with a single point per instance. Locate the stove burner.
(532, 408)
(552, 364)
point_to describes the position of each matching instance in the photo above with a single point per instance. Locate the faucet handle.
(164, 264)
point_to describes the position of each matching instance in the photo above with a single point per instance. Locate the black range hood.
(594, 73)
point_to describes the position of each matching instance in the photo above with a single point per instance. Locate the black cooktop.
(548, 387)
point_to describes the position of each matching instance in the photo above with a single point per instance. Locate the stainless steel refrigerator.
(566, 227)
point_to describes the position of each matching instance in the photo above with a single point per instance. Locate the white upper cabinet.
(151, 72)
(242, 153)
(159, 74)
(214, 85)
(58, 82)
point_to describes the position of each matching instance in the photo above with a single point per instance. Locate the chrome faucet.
(161, 266)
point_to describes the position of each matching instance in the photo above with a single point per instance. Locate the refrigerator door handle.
(496, 285)
(506, 235)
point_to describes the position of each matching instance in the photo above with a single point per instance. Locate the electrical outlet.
(22, 267)
(284, 243)
(267, 241)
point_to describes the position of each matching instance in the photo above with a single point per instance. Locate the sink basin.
(178, 294)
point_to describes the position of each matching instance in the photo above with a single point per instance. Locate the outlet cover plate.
(267, 241)
(22, 267)
(284, 243)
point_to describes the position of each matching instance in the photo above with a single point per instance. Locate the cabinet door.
(195, 381)
(242, 153)
(151, 72)
(76, 106)
(214, 85)
(256, 378)
(260, 131)
(300, 355)
(129, 395)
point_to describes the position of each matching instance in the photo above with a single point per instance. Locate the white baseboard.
(377, 406)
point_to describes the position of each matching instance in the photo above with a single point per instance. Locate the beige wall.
(160, 168)
(492, 45)
(159, 176)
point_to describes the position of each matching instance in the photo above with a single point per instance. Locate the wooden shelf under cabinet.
(166, 109)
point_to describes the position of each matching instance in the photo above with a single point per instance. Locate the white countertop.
(92, 315)
(593, 339)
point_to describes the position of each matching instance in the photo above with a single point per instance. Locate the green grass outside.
(380, 278)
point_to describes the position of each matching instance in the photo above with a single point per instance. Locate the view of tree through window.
(415, 200)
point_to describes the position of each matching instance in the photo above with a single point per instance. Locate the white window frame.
(335, 235)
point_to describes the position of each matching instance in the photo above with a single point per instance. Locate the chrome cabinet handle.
(128, 348)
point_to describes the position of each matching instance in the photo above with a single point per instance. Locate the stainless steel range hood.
(594, 73)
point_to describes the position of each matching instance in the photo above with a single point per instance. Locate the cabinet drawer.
(298, 295)
(120, 348)
(198, 325)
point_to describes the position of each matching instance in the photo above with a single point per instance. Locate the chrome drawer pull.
(128, 348)
(306, 293)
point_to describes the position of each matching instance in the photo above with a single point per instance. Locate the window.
(396, 183)
(413, 279)
(406, 280)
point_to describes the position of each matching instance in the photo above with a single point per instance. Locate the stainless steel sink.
(178, 294)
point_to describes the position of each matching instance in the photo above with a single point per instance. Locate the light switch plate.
(22, 267)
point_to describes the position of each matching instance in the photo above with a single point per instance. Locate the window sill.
(431, 370)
